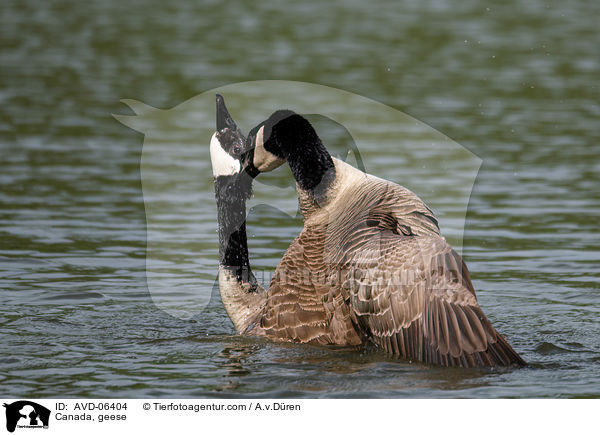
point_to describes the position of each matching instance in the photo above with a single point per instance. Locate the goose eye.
(236, 150)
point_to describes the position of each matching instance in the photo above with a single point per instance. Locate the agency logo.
(177, 177)
(25, 414)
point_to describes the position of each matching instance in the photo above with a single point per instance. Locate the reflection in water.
(453, 379)
(236, 355)
(339, 360)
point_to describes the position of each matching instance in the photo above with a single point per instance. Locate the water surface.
(516, 84)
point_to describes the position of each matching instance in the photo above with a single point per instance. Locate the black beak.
(224, 119)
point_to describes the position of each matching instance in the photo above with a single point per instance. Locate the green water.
(516, 84)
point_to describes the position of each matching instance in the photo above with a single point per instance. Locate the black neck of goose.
(310, 162)
(231, 193)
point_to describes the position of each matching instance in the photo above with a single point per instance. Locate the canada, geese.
(369, 264)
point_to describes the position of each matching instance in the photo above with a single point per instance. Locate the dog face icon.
(30, 412)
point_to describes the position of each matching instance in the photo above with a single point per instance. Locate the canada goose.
(243, 298)
(369, 264)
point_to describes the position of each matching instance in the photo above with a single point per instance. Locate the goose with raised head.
(243, 298)
(369, 265)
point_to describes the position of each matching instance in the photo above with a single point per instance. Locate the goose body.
(369, 264)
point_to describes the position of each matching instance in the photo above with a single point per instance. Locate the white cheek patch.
(222, 163)
(263, 160)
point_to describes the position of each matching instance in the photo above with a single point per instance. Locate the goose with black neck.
(242, 297)
(370, 263)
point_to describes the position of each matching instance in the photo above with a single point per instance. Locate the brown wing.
(413, 295)
(301, 304)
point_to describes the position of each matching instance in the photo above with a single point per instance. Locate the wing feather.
(390, 276)
(301, 305)
(433, 316)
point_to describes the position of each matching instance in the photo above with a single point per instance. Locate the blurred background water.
(516, 84)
